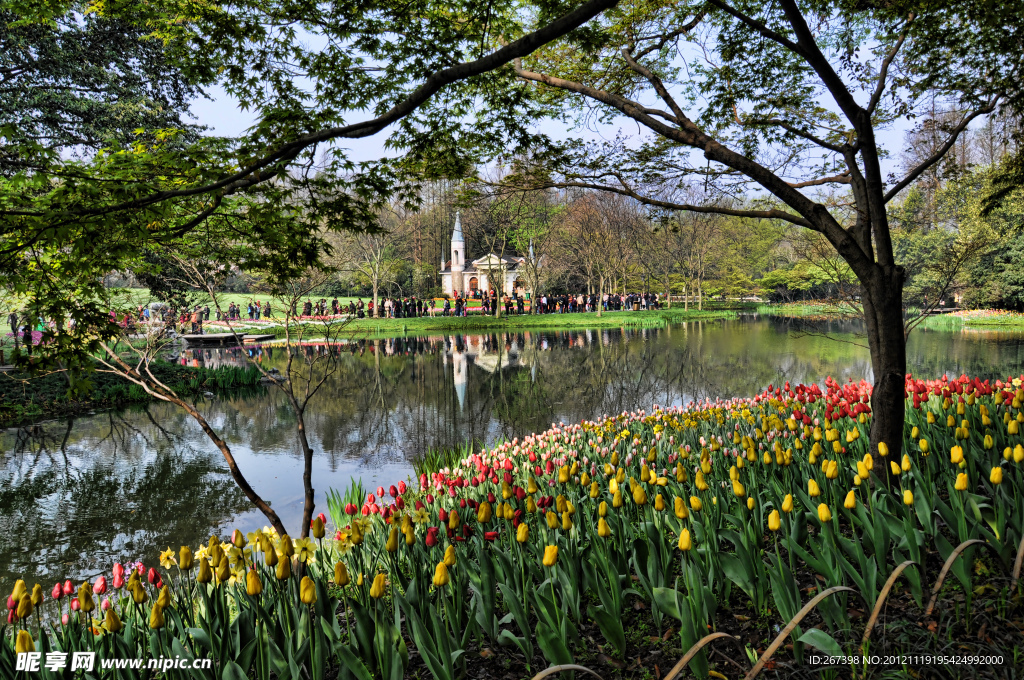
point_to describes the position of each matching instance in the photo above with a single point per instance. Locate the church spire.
(457, 233)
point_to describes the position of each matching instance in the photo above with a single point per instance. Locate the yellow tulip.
(285, 548)
(164, 598)
(185, 558)
(270, 556)
(883, 448)
(1018, 453)
(563, 474)
(695, 504)
(156, 617)
(774, 520)
(894, 467)
(284, 569)
(905, 463)
(139, 593)
(639, 495)
(851, 501)
(550, 555)
(996, 476)
(750, 503)
(523, 533)
(551, 519)
(833, 470)
(737, 489)
(453, 520)
(318, 528)
(449, 555)
(566, 521)
(223, 570)
(24, 644)
(908, 497)
(602, 510)
(961, 482)
(812, 488)
(680, 508)
(307, 590)
(37, 595)
(595, 490)
(869, 463)
(787, 503)
(824, 514)
(253, 585)
(924, 445)
(617, 499)
(613, 486)
(392, 543)
(685, 542)
(988, 443)
(702, 485)
(483, 512)
(956, 454)
(603, 530)
(19, 590)
(85, 600)
(659, 503)
(238, 539)
(441, 577)
(531, 486)
(377, 588)
(112, 622)
(862, 470)
(341, 577)
(1013, 427)
(24, 608)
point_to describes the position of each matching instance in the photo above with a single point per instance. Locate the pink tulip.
(322, 517)
(12, 617)
(11, 604)
(57, 592)
(64, 619)
(118, 582)
(380, 492)
(75, 606)
(106, 604)
(69, 587)
(100, 586)
(118, 570)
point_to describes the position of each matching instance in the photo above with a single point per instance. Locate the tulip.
(551, 519)
(617, 499)
(223, 571)
(37, 595)
(100, 587)
(523, 533)
(156, 617)
(924, 445)
(152, 576)
(392, 543)
(490, 535)
(138, 593)
(679, 507)
(285, 548)
(318, 529)
(696, 504)
(112, 622)
(1018, 453)
(377, 588)
(164, 598)
(737, 489)
(68, 587)
(550, 556)
(824, 514)
(441, 577)
(57, 593)
(908, 497)
(270, 556)
(894, 467)
(19, 590)
(24, 644)
(659, 503)
(685, 542)
(284, 569)
(253, 584)
(25, 607)
(75, 604)
(602, 509)
(238, 539)
(956, 455)
(996, 476)
(566, 521)
(341, 578)
(85, 598)
(639, 495)
(449, 556)
(185, 558)
(883, 448)
(812, 488)
(483, 512)
(961, 482)
(774, 521)
(307, 590)
(851, 501)
(603, 530)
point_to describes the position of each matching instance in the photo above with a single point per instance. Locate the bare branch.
(883, 71)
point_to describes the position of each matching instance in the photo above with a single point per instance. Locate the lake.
(79, 494)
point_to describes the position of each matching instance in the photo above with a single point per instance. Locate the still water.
(78, 494)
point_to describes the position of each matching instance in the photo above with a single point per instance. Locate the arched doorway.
(474, 284)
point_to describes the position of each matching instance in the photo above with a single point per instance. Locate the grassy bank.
(809, 310)
(992, 319)
(25, 398)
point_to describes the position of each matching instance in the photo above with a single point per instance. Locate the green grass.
(809, 310)
(657, 318)
(993, 319)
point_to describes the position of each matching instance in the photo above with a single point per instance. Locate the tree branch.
(883, 71)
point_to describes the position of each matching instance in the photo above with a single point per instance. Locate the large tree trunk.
(600, 294)
(883, 314)
(376, 302)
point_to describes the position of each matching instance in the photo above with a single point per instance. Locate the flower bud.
(377, 588)
(253, 584)
(550, 555)
(307, 590)
(685, 542)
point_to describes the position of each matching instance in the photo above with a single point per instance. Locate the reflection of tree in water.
(74, 502)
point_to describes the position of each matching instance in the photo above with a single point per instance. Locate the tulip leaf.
(201, 637)
(611, 628)
(665, 600)
(352, 664)
(821, 640)
(232, 671)
(552, 645)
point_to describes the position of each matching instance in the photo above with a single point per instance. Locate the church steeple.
(458, 256)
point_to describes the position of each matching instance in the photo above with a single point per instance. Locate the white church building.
(466, 278)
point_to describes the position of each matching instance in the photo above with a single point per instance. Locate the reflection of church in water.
(489, 353)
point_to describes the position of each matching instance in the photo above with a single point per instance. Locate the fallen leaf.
(933, 626)
(668, 633)
(603, 658)
(741, 617)
(486, 654)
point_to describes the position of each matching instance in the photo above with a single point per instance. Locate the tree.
(790, 97)
(373, 255)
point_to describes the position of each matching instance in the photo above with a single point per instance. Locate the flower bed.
(545, 547)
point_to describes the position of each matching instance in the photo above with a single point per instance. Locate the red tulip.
(490, 497)
(351, 509)
(520, 493)
(423, 480)
(365, 510)
(322, 517)
(380, 492)
(159, 583)
(152, 576)
(118, 570)
(431, 539)
(68, 587)
(100, 586)
(11, 617)
(393, 491)
(401, 488)
(11, 604)
(118, 582)
(370, 498)
(57, 592)
(64, 619)
(549, 468)
(442, 515)
(419, 505)
(490, 535)
(75, 606)
(508, 477)
(462, 503)
(430, 499)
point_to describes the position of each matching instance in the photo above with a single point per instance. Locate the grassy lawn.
(993, 319)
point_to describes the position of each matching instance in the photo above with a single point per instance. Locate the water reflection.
(76, 494)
